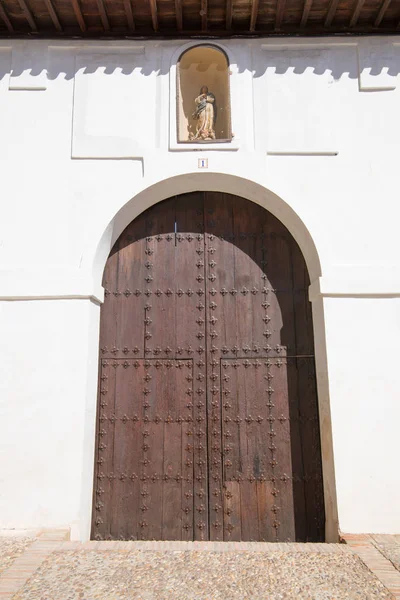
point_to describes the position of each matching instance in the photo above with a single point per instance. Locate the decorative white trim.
(84, 145)
(321, 44)
(302, 152)
(58, 284)
(92, 298)
(25, 59)
(110, 49)
(349, 284)
(372, 55)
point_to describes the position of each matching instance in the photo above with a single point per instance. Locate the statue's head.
(204, 89)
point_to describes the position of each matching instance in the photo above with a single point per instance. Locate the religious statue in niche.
(205, 115)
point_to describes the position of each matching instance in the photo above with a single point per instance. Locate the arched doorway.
(208, 418)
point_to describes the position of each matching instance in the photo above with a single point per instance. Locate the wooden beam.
(3, 15)
(228, 18)
(28, 14)
(254, 15)
(356, 13)
(103, 15)
(129, 14)
(79, 15)
(203, 13)
(280, 9)
(381, 13)
(154, 17)
(331, 12)
(53, 15)
(178, 13)
(306, 12)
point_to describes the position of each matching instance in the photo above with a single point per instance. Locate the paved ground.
(55, 570)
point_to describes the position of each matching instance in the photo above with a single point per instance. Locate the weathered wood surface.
(208, 419)
(153, 18)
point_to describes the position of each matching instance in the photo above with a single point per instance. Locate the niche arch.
(198, 67)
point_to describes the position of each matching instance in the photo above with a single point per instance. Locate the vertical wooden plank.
(311, 449)
(109, 312)
(189, 276)
(187, 455)
(159, 281)
(302, 315)
(218, 263)
(102, 513)
(130, 298)
(248, 452)
(282, 456)
(279, 294)
(264, 511)
(296, 451)
(120, 334)
(220, 284)
(172, 515)
(248, 222)
(126, 451)
(152, 434)
(232, 466)
(191, 342)
(232, 512)
(303, 402)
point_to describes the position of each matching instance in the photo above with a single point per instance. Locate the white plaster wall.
(364, 374)
(48, 391)
(316, 142)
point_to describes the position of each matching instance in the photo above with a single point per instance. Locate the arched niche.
(198, 67)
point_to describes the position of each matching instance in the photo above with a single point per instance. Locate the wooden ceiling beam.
(103, 15)
(129, 14)
(331, 13)
(204, 16)
(228, 18)
(306, 12)
(28, 14)
(280, 9)
(154, 16)
(381, 13)
(79, 15)
(53, 15)
(356, 13)
(4, 17)
(254, 15)
(179, 14)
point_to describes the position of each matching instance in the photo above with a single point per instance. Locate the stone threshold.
(14, 578)
(177, 546)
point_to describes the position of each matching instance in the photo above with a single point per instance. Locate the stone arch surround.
(278, 207)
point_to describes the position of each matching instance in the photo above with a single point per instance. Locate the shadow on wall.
(337, 61)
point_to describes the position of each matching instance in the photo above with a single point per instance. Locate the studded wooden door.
(207, 420)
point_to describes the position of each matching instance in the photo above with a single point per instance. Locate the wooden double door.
(207, 418)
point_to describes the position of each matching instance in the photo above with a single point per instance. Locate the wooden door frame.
(255, 192)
